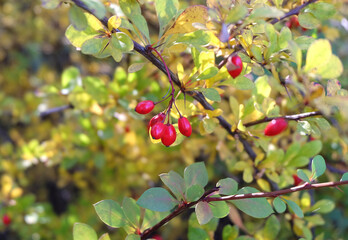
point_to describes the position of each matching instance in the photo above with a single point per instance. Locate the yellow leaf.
(183, 24)
(114, 22)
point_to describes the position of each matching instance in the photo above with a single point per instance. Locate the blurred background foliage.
(53, 167)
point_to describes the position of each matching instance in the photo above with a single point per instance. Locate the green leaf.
(279, 205)
(344, 177)
(77, 38)
(196, 174)
(298, 161)
(209, 125)
(255, 207)
(105, 236)
(304, 42)
(238, 12)
(318, 166)
(77, 18)
(208, 73)
(98, 8)
(203, 212)
(322, 123)
(166, 11)
(310, 149)
(96, 88)
(296, 54)
(272, 228)
(122, 42)
(93, 46)
(333, 69)
(266, 12)
(227, 186)
(83, 231)
(318, 55)
(157, 199)
(323, 206)
(70, 79)
(211, 94)
(133, 237)
(240, 82)
(197, 234)
(194, 192)
(284, 38)
(151, 218)
(308, 20)
(110, 212)
(304, 127)
(322, 10)
(131, 210)
(230, 232)
(194, 39)
(302, 175)
(220, 209)
(132, 10)
(257, 52)
(295, 208)
(175, 183)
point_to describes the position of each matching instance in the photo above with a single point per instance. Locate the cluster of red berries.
(275, 127)
(234, 66)
(160, 130)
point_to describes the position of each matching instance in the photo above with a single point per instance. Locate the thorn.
(339, 189)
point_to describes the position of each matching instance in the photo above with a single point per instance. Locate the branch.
(294, 11)
(55, 110)
(196, 95)
(294, 117)
(305, 186)
(206, 198)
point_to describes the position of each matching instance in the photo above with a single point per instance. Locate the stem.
(206, 197)
(305, 186)
(294, 11)
(294, 117)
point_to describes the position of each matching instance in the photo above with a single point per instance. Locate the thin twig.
(294, 117)
(55, 110)
(294, 11)
(305, 186)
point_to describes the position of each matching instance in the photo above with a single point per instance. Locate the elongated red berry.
(184, 126)
(145, 107)
(169, 135)
(276, 126)
(6, 220)
(157, 130)
(157, 118)
(297, 180)
(234, 66)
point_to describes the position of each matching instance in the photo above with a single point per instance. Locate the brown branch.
(195, 94)
(294, 11)
(55, 110)
(294, 117)
(206, 198)
(305, 186)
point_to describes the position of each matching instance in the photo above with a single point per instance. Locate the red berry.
(169, 135)
(276, 126)
(157, 237)
(297, 180)
(6, 220)
(184, 126)
(234, 66)
(145, 107)
(158, 118)
(157, 130)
